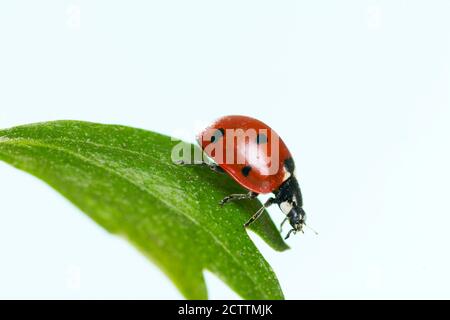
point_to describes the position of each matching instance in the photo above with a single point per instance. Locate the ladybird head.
(297, 218)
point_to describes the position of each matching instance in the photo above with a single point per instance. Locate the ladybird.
(256, 158)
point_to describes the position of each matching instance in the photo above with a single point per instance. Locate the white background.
(359, 90)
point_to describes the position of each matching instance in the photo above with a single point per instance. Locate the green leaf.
(124, 179)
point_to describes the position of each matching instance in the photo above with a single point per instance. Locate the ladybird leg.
(282, 224)
(235, 197)
(212, 166)
(289, 234)
(258, 213)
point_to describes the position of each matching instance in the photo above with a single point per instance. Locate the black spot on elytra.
(217, 135)
(261, 138)
(246, 170)
(289, 165)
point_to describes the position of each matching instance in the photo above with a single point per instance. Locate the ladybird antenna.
(312, 229)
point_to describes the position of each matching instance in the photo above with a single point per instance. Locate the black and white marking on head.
(217, 135)
(286, 207)
(246, 171)
(261, 138)
(289, 165)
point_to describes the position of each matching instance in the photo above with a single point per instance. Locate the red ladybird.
(256, 158)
